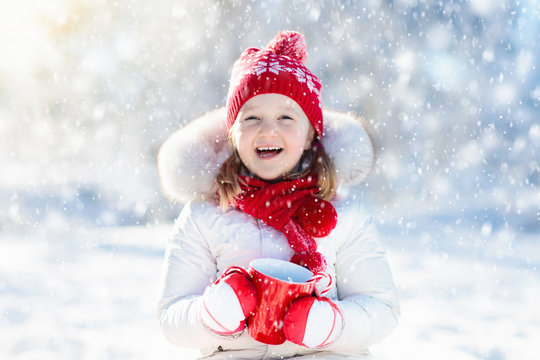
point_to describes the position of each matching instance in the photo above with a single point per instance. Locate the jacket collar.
(189, 160)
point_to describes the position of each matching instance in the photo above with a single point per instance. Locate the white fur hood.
(190, 158)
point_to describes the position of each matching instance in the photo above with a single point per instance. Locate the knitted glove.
(312, 322)
(228, 302)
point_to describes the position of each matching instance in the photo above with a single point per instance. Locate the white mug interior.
(282, 270)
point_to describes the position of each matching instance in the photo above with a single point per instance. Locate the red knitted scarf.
(292, 208)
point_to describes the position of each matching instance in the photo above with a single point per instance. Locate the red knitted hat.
(278, 69)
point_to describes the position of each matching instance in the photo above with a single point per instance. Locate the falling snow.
(89, 90)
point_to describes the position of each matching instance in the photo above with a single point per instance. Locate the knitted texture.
(228, 302)
(279, 69)
(312, 322)
(287, 206)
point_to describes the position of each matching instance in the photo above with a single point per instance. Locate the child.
(258, 180)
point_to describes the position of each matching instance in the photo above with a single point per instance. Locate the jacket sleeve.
(189, 268)
(367, 297)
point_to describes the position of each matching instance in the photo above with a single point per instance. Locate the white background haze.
(89, 90)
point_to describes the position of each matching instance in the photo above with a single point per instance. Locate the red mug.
(278, 283)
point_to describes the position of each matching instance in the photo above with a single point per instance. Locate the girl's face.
(271, 133)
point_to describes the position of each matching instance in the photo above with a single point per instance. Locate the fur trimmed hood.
(189, 160)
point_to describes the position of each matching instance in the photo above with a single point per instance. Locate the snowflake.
(319, 96)
(304, 77)
(269, 66)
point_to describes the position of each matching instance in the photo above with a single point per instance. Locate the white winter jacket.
(207, 240)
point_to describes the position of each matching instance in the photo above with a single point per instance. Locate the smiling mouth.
(266, 152)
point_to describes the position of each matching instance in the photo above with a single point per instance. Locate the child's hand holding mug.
(278, 299)
(289, 306)
(228, 302)
(312, 321)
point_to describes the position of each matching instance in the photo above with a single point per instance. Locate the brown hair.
(228, 183)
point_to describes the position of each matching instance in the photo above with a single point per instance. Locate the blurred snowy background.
(90, 89)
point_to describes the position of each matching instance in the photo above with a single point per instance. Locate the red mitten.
(312, 322)
(228, 302)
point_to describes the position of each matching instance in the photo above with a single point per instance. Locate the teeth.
(268, 148)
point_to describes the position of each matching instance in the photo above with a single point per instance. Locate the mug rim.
(279, 264)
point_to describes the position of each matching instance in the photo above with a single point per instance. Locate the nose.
(267, 128)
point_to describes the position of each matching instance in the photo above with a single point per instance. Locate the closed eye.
(285, 117)
(251, 118)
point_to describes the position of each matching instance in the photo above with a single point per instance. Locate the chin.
(271, 174)
(269, 178)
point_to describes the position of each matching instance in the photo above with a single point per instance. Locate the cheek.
(242, 144)
(300, 138)
(239, 138)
